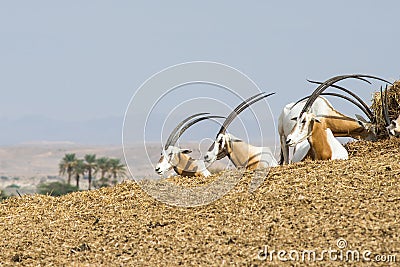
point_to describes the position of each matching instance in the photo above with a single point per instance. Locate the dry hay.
(393, 101)
(309, 205)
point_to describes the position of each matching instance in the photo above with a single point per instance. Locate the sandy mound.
(305, 206)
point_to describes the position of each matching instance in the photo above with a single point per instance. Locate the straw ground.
(309, 205)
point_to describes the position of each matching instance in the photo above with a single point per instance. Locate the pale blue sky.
(83, 60)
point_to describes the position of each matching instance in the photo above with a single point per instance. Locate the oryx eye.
(170, 154)
(303, 121)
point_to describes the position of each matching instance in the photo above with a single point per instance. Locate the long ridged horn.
(188, 125)
(345, 98)
(242, 106)
(233, 113)
(365, 108)
(330, 82)
(172, 134)
(385, 107)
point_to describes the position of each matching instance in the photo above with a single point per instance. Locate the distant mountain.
(108, 131)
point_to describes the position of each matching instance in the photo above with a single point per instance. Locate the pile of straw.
(393, 101)
(303, 206)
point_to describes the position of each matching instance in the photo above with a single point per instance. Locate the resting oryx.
(177, 158)
(392, 126)
(321, 141)
(240, 153)
(340, 125)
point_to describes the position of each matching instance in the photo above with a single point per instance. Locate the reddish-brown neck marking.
(319, 141)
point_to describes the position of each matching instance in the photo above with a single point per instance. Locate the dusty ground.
(305, 206)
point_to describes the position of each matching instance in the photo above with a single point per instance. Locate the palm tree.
(116, 169)
(67, 165)
(90, 166)
(103, 166)
(79, 169)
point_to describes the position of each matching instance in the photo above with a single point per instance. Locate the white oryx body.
(338, 151)
(241, 154)
(339, 124)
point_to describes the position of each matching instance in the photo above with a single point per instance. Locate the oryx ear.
(361, 118)
(361, 123)
(317, 120)
(294, 119)
(186, 151)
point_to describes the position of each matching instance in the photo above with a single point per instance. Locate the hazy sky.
(83, 60)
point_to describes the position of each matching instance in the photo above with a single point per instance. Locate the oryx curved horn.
(242, 106)
(172, 134)
(361, 107)
(385, 107)
(332, 81)
(365, 108)
(233, 113)
(188, 125)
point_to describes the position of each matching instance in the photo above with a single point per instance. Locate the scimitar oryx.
(329, 120)
(173, 157)
(241, 154)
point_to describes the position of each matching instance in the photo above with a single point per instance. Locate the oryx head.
(219, 149)
(392, 126)
(302, 129)
(169, 158)
(171, 155)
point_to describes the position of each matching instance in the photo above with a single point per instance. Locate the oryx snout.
(209, 157)
(291, 140)
(212, 153)
(158, 170)
(163, 165)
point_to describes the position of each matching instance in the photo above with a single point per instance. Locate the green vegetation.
(13, 186)
(109, 170)
(3, 195)
(78, 170)
(55, 188)
(90, 166)
(117, 169)
(67, 165)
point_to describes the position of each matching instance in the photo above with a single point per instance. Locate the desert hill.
(341, 205)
